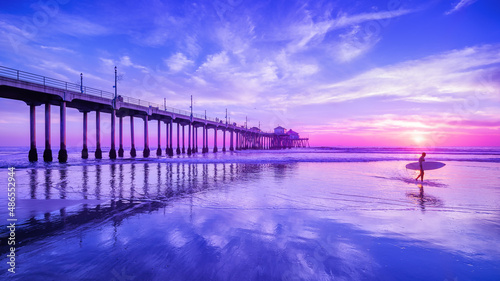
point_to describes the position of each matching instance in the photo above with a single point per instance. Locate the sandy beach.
(270, 221)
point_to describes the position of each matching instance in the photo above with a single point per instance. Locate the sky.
(342, 73)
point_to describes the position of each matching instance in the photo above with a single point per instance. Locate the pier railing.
(51, 82)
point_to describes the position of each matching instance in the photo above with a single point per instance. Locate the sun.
(418, 139)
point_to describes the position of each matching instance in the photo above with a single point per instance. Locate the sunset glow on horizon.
(388, 73)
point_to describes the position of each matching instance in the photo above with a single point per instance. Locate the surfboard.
(426, 165)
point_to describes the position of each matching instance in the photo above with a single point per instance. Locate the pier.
(36, 90)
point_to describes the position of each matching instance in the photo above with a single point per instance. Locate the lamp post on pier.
(112, 151)
(189, 127)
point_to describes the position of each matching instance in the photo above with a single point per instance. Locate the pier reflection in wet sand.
(120, 181)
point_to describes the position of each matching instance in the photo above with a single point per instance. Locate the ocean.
(343, 213)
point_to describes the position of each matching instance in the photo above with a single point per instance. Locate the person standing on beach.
(421, 162)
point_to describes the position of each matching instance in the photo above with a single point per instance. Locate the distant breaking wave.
(17, 156)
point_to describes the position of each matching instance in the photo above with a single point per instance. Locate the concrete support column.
(112, 151)
(146, 151)
(215, 139)
(178, 137)
(166, 138)
(203, 142)
(171, 146)
(236, 140)
(224, 140)
(32, 155)
(120, 136)
(63, 153)
(47, 153)
(183, 147)
(231, 139)
(85, 150)
(98, 151)
(158, 150)
(206, 139)
(133, 152)
(196, 140)
(189, 139)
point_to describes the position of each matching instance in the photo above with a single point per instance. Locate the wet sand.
(230, 221)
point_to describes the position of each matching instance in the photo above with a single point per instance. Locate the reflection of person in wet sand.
(422, 199)
(421, 162)
(421, 196)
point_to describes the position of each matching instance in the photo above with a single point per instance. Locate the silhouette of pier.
(36, 90)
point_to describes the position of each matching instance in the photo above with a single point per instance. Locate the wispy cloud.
(308, 31)
(63, 71)
(57, 49)
(75, 25)
(460, 5)
(127, 62)
(178, 62)
(353, 44)
(450, 76)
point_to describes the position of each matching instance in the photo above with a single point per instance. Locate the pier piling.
(63, 153)
(231, 147)
(215, 139)
(178, 151)
(32, 155)
(158, 150)
(183, 147)
(223, 140)
(146, 151)
(133, 151)
(112, 150)
(47, 153)
(167, 150)
(203, 141)
(85, 149)
(98, 151)
(189, 139)
(171, 144)
(120, 136)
